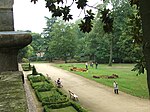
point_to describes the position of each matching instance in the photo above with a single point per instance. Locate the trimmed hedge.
(36, 78)
(49, 96)
(78, 107)
(63, 105)
(42, 86)
(26, 66)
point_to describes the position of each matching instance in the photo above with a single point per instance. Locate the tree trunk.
(145, 14)
(111, 52)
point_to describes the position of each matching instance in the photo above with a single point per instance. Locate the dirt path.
(95, 97)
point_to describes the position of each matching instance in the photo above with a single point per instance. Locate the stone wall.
(12, 93)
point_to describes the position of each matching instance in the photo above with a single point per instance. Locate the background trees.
(87, 24)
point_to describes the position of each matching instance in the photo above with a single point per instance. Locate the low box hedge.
(26, 66)
(36, 78)
(42, 86)
(49, 96)
(77, 107)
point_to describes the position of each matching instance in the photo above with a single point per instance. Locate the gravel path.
(95, 97)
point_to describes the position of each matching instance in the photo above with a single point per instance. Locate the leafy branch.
(64, 11)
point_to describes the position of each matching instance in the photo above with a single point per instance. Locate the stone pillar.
(6, 15)
(10, 43)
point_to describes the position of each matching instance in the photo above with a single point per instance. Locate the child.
(115, 84)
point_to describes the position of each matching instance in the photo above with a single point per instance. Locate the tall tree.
(63, 42)
(47, 37)
(145, 14)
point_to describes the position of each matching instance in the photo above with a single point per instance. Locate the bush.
(44, 87)
(38, 95)
(26, 66)
(63, 105)
(37, 78)
(78, 107)
(25, 60)
(72, 61)
(60, 105)
(55, 98)
(37, 84)
(34, 72)
(51, 98)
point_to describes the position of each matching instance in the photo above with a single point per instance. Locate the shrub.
(44, 87)
(25, 60)
(26, 66)
(72, 61)
(52, 97)
(34, 72)
(60, 105)
(37, 78)
(30, 66)
(78, 107)
(38, 95)
(37, 85)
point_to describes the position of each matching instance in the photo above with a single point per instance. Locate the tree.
(63, 41)
(26, 53)
(47, 37)
(37, 45)
(145, 16)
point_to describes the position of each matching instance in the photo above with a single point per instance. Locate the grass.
(128, 81)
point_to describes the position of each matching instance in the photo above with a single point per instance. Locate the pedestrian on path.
(115, 84)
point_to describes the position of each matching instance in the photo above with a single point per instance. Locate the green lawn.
(127, 81)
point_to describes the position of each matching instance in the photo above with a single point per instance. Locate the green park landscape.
(113, 34)
(128, 81)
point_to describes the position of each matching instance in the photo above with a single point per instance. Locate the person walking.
(115, 84)
(86, 66)
(91, 64)
(96, 65)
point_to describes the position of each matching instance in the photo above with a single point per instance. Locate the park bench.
(73, 96)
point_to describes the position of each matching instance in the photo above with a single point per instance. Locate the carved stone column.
(6, 15)
(10, 41)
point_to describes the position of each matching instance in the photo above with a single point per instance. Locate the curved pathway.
(93, 96)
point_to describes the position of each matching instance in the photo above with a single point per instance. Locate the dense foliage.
(65, 41)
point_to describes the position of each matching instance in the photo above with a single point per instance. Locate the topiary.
(34, 72)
